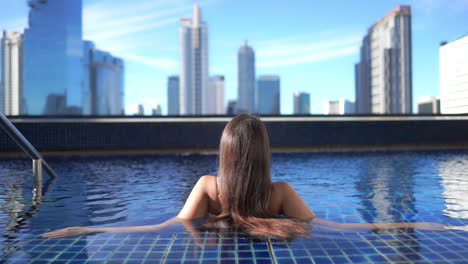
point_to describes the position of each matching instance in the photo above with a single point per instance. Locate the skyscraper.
(384, 73)
(363, 79)
(453, 76)
(173, 95)
(338, 107)
(267, 95)
(232, 107)
(246, 79)
(53, 49)
(193, 64)
(11, 70)
(139, 110)
(215, 103)
(156, 110)
(301, 103)
(428, 105)
(103, 82)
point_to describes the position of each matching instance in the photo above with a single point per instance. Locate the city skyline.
(328, 48)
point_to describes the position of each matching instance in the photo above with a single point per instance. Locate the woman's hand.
(430, 226)
(69, 231)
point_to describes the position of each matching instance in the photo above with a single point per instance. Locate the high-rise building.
(215, 103)
(139, 110)
(103, 82)
(157, 111)
(11, 70)
(232, 107)
(193, 64)
(384, 74)
(428, 105)
(173, 95)
(267, 95)
(454, 76)
(52, 54)
(246, 79)
(301, 103)
(363, 79)
(338, 107)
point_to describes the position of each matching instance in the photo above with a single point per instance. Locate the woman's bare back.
(205, 198)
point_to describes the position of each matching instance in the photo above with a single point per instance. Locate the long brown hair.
(244, 181)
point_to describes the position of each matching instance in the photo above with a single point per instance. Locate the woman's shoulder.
(209, 184)
(283, 186)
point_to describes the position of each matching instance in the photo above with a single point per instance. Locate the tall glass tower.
(193, 64)
(267, 95)
(301, 103)
(384, 74)
(246, 79)
(173, 95)
(53, 50)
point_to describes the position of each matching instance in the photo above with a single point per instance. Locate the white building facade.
(215, 101)
(384, 74)
(338, 107)
(454, 76)
(11, 95)
(193, 64)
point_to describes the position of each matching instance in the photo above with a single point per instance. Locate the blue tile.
(228, 247)
(49, 255)
(264, 261)
(303, 260)
(262, 254)
(377, 258)
(228, 254)
(227, 261)
(101, 255)
(339, 259)
(357, 259)
(137, 255)
(260, 246)
(175, 255)
(282, 254)
(285, 261)
(66, 255)
(244, 254)
(155, 255)
(244, 247)
(322, 260)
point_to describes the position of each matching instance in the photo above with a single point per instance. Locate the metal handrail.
(38, 161)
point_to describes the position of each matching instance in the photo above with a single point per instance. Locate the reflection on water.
(454, 173)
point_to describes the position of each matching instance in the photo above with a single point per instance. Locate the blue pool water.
(149, 189)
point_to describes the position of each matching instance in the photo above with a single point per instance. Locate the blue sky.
(312, 45)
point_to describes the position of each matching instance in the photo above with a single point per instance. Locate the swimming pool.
(147, 189)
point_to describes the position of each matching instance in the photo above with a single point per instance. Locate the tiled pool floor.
(325, 246)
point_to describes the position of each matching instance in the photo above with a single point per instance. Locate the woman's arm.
(195, 206)
(197, 203)
(81, 230)
(292, 204)
(379, 226)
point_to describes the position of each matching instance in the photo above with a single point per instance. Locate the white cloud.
(159, 63)
(304, 49)
(103, 35)
(295, 47)
(307, 58)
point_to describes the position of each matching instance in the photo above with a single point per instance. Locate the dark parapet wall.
(203, 133)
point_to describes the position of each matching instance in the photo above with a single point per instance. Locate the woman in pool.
(243, 195)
